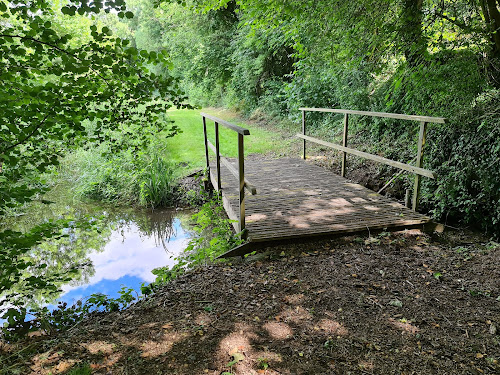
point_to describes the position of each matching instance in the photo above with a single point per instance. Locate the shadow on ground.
(395, 303)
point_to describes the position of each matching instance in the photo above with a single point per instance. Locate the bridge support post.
(344, 143)
(241, 180)
(217, 156)
(206, 146)
(419, 163)
(304, 132)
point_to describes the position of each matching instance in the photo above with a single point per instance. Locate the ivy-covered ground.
(389, 303)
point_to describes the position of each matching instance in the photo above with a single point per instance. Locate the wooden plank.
(212, 147)
(392, 163)
(227, 206)
(236, 128)
(344, 143)
(435, 120)
(262, 236)
(310, 205)
(217, 155)
(419, 163)
(238, 250)
(251, 188)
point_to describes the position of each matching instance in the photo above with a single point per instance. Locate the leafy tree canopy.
(55, 79)
(66, 82)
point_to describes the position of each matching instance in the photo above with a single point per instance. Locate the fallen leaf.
(396, 303)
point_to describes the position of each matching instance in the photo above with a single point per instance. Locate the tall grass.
(157, 183)
(146, 179)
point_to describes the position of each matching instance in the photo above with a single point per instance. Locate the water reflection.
(136, 245)
(126, 245)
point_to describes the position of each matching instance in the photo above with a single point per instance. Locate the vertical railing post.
(304, 132)
(206, 145)
(344, 143)
(217, 155)
(241, 178)
(419, 163)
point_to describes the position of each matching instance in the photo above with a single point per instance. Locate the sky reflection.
(127, 260)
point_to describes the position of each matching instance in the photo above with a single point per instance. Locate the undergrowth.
(146, 178)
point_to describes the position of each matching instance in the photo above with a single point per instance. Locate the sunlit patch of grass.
(188, 146)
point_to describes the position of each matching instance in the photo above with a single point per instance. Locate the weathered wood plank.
(309, 205)
(380, 159)
(212, 147)
(236, 128)
(435, 120)
(251, 188)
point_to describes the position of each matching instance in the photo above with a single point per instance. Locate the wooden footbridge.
(292, 198)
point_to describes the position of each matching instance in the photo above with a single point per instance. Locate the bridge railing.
(417, 169)
(238, 173)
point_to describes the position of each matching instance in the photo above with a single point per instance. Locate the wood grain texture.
(379, 159)
(236, 128)
(436, 120)
(299, 199)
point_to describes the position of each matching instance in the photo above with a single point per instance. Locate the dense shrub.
(468, 163)
(431, 58)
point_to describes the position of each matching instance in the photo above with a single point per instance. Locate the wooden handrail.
(236, 128)
(251, 188)
(239, 172)
(434, 120)
(380, 159)
(417, 169)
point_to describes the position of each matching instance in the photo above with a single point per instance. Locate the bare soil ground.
(389, 303)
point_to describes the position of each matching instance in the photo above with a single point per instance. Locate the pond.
(122, 250)
(137, 242)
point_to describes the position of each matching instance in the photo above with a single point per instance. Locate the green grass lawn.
(188, 146)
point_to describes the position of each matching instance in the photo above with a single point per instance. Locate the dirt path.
(401, 303)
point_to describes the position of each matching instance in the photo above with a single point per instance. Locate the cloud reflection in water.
(128, 258)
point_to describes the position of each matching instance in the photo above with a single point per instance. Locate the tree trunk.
(494, 25)
(413, 41)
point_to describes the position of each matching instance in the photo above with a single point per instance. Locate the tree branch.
(28, 136)
(56, 48)
(461, 25)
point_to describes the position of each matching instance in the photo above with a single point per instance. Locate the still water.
(136, 243)
(121, 251)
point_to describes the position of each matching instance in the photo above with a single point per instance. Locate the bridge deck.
(296, 199)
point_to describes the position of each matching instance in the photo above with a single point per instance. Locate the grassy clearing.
(188, 147)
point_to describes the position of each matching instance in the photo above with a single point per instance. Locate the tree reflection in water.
(124, 244)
